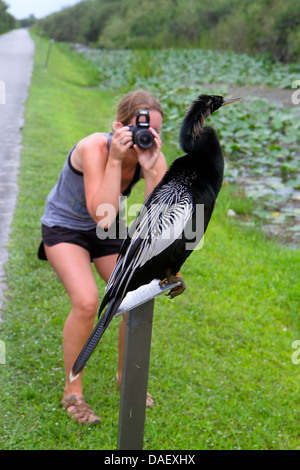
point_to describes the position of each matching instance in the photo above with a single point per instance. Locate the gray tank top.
(66, 206)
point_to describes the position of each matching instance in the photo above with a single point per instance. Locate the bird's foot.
(176, 290)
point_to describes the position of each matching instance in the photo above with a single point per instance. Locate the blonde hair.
(131, 103)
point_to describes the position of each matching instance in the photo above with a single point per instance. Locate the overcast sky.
(39, 8)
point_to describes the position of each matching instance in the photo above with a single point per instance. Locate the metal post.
(48, 53)
(135, 377)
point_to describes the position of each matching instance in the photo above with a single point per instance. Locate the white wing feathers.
(162, 225)
(156, 227)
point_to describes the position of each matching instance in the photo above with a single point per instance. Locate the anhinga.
(159, 240)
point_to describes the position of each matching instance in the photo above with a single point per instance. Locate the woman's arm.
(103, 173)
(153, 163)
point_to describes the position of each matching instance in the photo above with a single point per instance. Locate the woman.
(99, 169)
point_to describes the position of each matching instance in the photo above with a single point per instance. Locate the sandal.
(79, 410)
(149, 400)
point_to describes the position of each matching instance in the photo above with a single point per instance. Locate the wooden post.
(48, 53)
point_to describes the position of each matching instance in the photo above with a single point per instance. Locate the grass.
(221, 367)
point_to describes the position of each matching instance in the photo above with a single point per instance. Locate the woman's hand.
(120, 143)
(148, 157)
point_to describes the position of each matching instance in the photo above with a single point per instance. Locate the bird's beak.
(231, 100)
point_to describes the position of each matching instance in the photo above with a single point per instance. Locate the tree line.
(7, 21)
(270, 27)
(254, 26)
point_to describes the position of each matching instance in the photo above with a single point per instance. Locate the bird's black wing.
(160, 223)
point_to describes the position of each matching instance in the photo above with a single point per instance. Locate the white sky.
(21, 9)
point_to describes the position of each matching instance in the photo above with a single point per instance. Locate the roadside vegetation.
(221, 370)
(7, 21)
(252, 26)
(260, 137)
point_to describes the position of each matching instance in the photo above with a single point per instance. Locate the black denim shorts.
(87, 239)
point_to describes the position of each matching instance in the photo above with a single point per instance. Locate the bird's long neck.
(192, 127)
(205, 161)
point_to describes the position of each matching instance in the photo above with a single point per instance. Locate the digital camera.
(141, 135)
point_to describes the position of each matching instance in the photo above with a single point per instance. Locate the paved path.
(16, 62)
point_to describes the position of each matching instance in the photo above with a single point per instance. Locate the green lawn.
(221, 367)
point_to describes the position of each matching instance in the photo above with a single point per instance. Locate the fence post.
(48, 54)
(135, 377)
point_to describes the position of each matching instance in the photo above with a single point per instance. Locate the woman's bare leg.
(105, 266)
(73, 266)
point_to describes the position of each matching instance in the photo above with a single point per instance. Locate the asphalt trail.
(16, 63)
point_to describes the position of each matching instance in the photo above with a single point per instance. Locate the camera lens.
(144, 139)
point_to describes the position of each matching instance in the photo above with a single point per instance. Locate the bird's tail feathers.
(111, 293)
(104, 302)
(93, 340)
